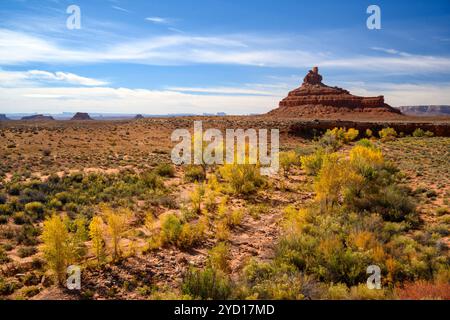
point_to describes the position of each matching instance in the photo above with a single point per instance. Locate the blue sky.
(159, 57)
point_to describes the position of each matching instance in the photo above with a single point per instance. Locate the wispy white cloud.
(159, 20)
(121, 9)
(392, 51)
(33, 78)
(20, 48)
(225, 90)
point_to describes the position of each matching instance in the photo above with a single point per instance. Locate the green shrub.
(20, 218)
(442, 211)
(362, 292)
(287, 160)
(4, 256)
(165, 170)
(335, 138)
(63, 197)
(206, 284)
(5, 209)
(14, 189)
(30, 291)
(32, 195)
(243, 179)
(3, 219)
(55, 204)
(7, 287)
(218, 257)
(24, 252)
(387, 134)
(3, 198)
(35, 209)
(312, 163)
(338, 291)
(152, 180)
(171, 228)
(418, 133)
(365, 143)
(194, 173)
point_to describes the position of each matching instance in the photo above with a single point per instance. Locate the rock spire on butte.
(314, 98)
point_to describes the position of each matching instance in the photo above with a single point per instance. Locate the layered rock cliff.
(314, 97)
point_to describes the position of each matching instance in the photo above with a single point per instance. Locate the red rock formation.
(315, 97)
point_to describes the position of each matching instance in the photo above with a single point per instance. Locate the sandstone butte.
(314, 98)
(81, 116)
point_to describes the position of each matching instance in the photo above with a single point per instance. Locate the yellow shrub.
(362, 292)
(196, 198)
(295, 220)
(334, 179)
(222, 231)
(242, 178)
(342, 135)
(387, 134)
(351, 135)
(313, 162)
(235, 217)
(218, 257)
(363, 240)
(287, 160)
(338, 291)
(363, 158)
(378, 254)
(329, 246)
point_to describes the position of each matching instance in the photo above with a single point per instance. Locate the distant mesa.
(139, 116)
(314, 98)
(426, 111)
(3, 117)
(81, 116)
(37, 117)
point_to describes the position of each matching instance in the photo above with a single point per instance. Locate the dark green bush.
(3, 219)
(165, 170)
(194, 173)
(207, 284)
(152, 180)
(20, 218)
(24, 252)
(4, 256)
(5, 209)
(31, 195)
(3, 198)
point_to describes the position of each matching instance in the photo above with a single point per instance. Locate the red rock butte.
(314, 97)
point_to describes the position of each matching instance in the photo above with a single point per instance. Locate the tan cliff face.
(314, 97)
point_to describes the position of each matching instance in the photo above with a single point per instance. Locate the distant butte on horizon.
(314, 98)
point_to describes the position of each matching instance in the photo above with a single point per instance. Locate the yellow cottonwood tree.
(96, 232)
(56, 248)
(117, 226)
